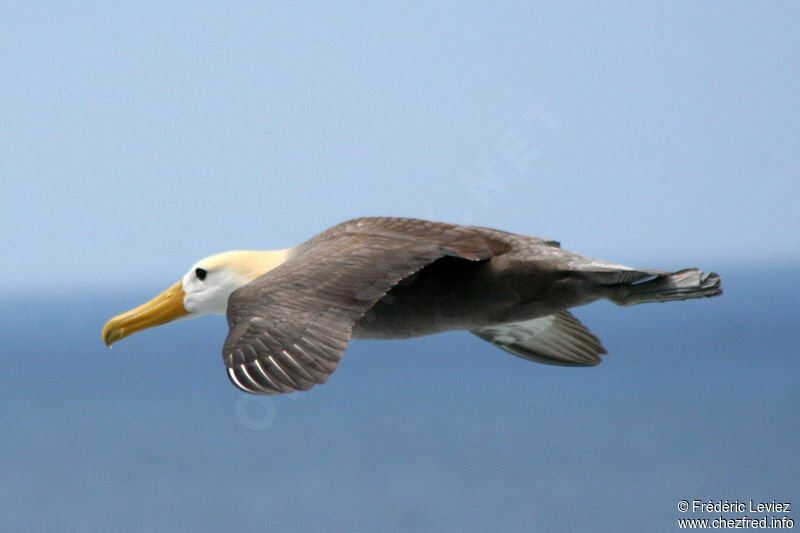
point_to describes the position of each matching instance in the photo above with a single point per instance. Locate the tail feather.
(668, 287)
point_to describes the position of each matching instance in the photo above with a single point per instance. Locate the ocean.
(696, 400)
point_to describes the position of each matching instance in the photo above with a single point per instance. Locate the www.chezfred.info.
(736, 514)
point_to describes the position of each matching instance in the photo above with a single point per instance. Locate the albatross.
(291, 313)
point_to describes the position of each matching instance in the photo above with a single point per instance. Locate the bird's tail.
(667, 287)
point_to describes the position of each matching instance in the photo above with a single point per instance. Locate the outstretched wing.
(558, 339)
(290, 327)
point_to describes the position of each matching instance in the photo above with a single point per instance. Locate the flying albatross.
(292, 312)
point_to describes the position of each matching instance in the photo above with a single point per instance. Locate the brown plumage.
(387, 278)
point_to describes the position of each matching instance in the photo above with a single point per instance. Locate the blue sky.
(137, 138)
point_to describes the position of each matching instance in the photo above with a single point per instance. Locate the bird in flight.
(292, 312)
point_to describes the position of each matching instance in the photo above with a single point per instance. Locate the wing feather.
(290, 327)
(558, 339)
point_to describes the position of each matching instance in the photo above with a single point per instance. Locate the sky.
(137, 138)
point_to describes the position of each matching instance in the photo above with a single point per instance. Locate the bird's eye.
(200, 273)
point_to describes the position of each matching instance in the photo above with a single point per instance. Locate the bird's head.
(204, 289)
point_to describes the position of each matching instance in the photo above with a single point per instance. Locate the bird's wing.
(558, 339)
(290, 327)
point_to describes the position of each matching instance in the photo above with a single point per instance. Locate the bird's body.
(292, 313)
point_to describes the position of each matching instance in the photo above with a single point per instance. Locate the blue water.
(696, 400)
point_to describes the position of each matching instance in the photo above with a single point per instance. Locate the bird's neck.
(251, 264)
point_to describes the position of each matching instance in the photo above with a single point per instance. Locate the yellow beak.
(164, 308)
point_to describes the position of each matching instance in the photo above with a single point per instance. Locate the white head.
(210, 282)
(204, 289)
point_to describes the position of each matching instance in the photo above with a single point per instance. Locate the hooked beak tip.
(111, 333)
